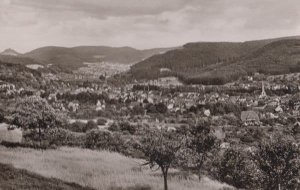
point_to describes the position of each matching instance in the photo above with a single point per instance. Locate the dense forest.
(222, 62)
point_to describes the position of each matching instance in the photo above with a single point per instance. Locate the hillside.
(20, 75)
(10, 52)
(19, 59)
(73, 58)
(14, 179)
(220, 62)
(98, 169)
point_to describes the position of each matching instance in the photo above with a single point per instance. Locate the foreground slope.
(16, 179)
(101, 170)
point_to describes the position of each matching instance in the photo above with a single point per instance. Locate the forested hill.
(20, 76)
(73, 58)
(221, 62)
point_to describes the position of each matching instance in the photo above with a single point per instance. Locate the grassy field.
(16, 179)
(101, 170)
(10, 135)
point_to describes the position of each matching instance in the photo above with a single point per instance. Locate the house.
(250, 118)
(73, 106)
(279, 109)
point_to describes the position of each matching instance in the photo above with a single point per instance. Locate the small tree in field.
(201, 141)
(161, 148)
(34, 113)
(279, 164)
(235, 169)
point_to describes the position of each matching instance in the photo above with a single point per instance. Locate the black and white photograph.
(149, 95)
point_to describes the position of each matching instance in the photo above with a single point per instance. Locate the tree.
(279, 164)
(201, 142)
(234, 169)
(161, 149)
(161, 108)
(2, 118)
(34, 113)
(90, 125)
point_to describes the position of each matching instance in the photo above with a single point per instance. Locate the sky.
(29, 24)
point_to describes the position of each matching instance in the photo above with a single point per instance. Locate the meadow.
(98, 169)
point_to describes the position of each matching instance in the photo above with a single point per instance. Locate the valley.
(179, 117)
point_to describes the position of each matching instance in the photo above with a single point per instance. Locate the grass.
(15, 179)
(101, 170)
(14, 136)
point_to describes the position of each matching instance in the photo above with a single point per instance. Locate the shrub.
(104, 140)
(63, 137)
(101, 121)
(90, 125)
(123, 127)
(76, 127)
(233, 168)
(278, 164)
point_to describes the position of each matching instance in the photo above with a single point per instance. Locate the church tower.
(263, 92)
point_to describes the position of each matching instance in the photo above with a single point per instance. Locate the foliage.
(62, 137)
(161, 148)
(123, 126)
(101, 121)
(218, 63)
(91, 125)
(77, 126)
(234, 169)
(35, 114)
(278, 163)
(201, 142)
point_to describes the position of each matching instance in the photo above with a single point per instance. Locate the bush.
(104, 140)
(278, 164)
(81, 127)
(233, 168)
(90, 125)
(76, 127)
(63, 137)
(101, 121)
(123, 127)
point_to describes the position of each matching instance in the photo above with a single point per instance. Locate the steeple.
(263, 92)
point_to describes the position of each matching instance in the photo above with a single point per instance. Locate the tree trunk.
(165, 174)
(40, 137)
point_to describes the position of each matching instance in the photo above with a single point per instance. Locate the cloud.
(28, 24)
(105, 8)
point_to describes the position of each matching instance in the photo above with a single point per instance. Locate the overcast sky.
(29, 24)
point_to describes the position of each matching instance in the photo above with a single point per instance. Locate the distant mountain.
(73, 58)
(221, 62)
(10, 52)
